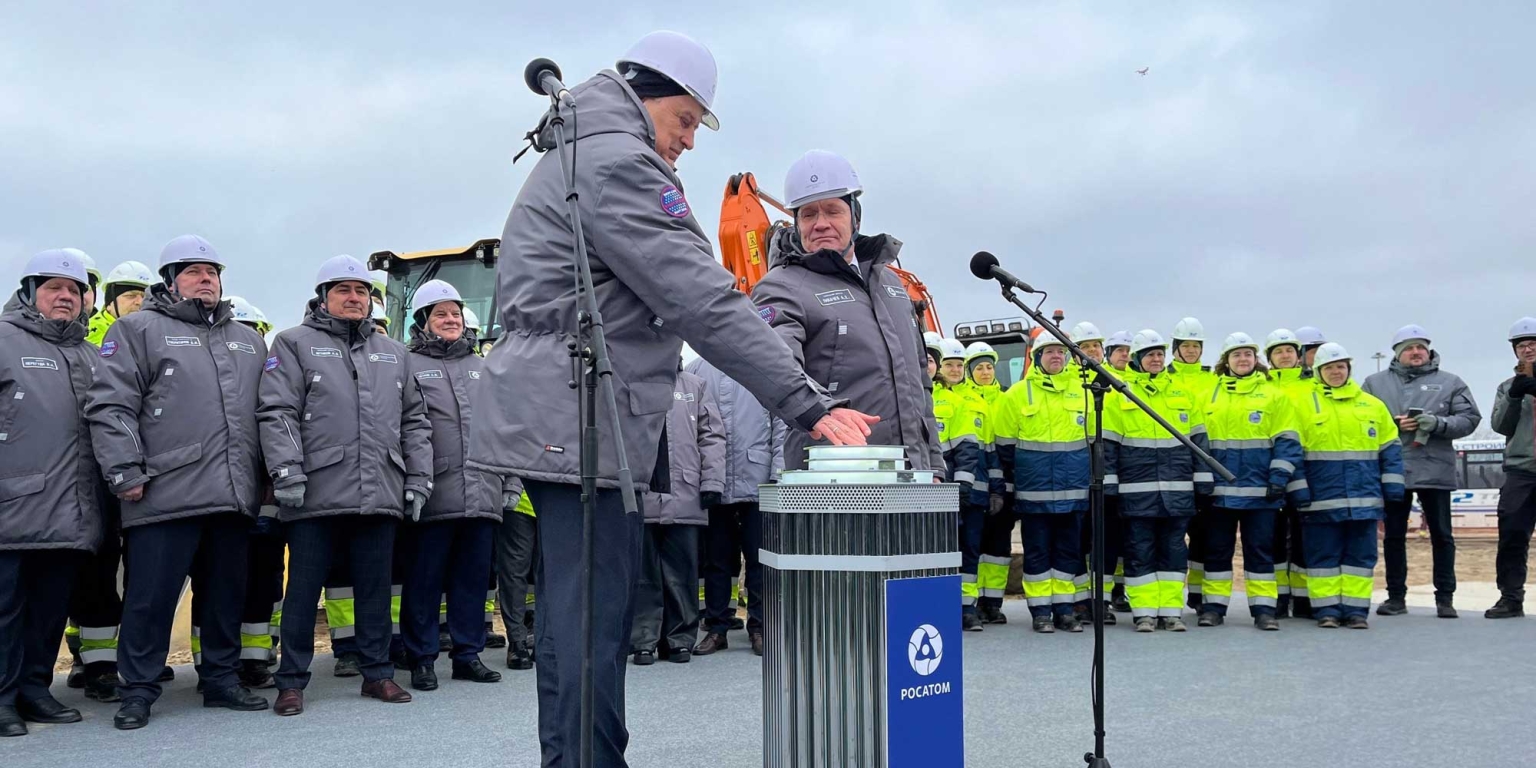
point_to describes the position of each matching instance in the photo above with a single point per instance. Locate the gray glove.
(509, 501)
(995, 504)
(1427, 423)
(413, 504)
(291, 497)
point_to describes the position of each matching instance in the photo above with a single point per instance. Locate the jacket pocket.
(21, 485)
(176, 458)
(323, 458)
(758, 457)
(647, 397)
(396, 459)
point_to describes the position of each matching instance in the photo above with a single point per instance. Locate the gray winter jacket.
(1442, 395)
(748, 434)
(855, 332)
(48, 475)
(695, 452)
(174, 406)
(341, 413)
(1516, 422)
(449, 375)
(656, 282)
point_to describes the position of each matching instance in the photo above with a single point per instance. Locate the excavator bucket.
(744, 229)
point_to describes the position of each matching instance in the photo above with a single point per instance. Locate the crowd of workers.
(164, 433)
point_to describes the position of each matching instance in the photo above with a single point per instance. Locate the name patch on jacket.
(673, 202)
(429, 374)
(383, 357)
(240, 346)
(896, 293)
(183, 341)
(686, 397)
(44, 363)
(109, 349)
(324, 352)
(1430, 387)
(839, 296)
(474, 375)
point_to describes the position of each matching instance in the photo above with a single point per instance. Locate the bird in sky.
(1143, 71)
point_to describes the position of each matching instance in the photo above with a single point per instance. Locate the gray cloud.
(1353, 166)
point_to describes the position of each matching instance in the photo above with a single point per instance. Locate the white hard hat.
(435, 292)
(1310, 336)
(951, 349)
(1238, 340)
(1408, 333)
(931, 340)
(57, 262)
(132, 273)
(470, 321)
(378, 280)
(1047, 340)
(1146, 339)
(245, 312)
(1118, 339)
(1280, 337)
(93, 275)
(980, 349)
(1524, 328)
(187, 249)
(341, 268)
(1188, 329)
(1086, 331)
(819, 175)
(684, 61)
(1330, 352)
(379, 316)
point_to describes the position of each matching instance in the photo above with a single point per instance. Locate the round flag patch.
(1256, 417)
(673, 202)
(108, 349)
(271, 363)
(768, 314)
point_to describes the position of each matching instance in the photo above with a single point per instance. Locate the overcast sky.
(1355, 166)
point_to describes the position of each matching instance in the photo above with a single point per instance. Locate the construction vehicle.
(746, 231)
(1011, 337)
(472, 270)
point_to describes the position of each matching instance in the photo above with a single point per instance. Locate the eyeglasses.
(1526, 346)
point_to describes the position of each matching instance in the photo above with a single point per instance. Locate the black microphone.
(984, 265)
(543, 77)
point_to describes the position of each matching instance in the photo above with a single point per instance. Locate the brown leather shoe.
(757, 643)
(714, 641)
(386, 691)
(290, 701)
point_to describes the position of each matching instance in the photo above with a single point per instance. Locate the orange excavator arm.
(745, 231)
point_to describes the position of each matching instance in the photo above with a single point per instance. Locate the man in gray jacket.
(1513, 418)
(349, 449)
(50, 516)
(657, 284)
(847, 318)
(173, 419)
(735, 530)
(666, 600)
(1432, 408)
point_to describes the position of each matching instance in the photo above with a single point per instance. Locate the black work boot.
(992, 614)
(970, 622)
(347, 665)
(475, 671)
(102, 687)
(236, 697)
(255, 674)
(1444, 609)
(424, 677)
(1505, 608)
(519, 657)
(1394, 606)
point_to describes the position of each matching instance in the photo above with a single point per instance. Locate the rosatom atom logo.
(925, 650)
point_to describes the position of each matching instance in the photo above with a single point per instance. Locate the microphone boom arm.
(1116, 383)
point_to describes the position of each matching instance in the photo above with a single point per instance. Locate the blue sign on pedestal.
(924, 699)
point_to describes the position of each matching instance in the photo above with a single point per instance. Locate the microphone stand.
(590, 364)
(1096, 388)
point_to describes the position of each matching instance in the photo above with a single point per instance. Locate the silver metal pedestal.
(833, 535)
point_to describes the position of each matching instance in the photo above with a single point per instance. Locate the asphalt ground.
(1411, 691)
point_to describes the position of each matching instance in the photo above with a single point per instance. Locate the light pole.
(1378, 357)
